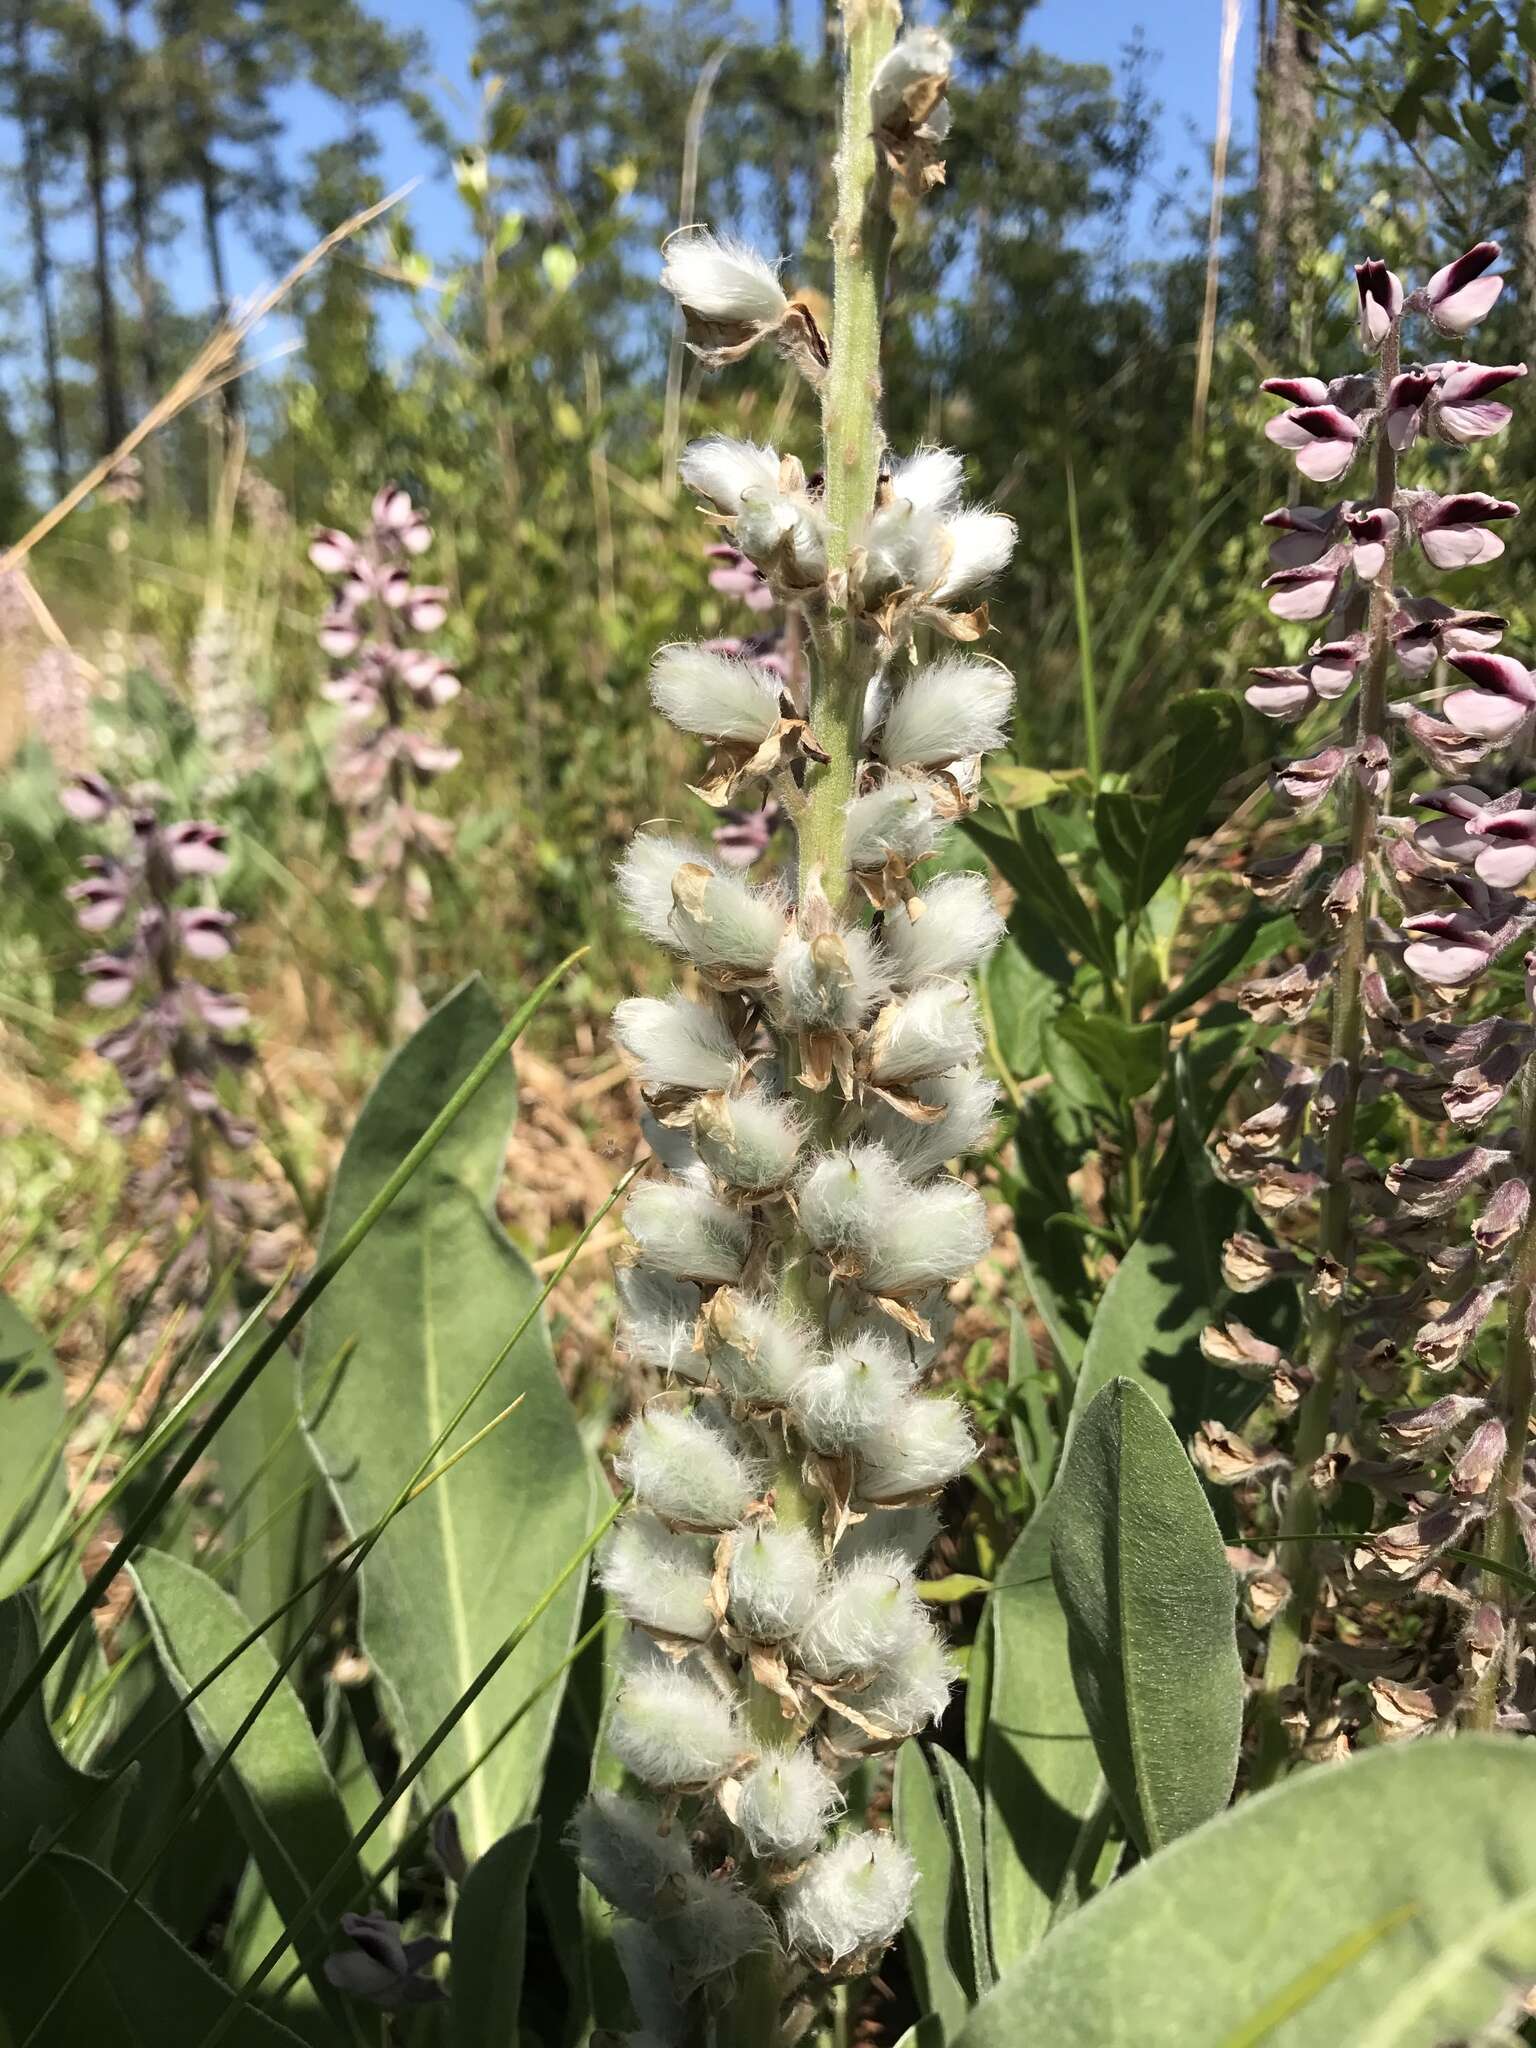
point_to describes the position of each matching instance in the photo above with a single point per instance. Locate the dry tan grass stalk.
(1231, 21)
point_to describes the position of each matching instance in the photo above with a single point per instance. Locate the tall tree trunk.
(93, 123)
(138, 208)
(1287, 126)
(42, 254)
(1528, 214)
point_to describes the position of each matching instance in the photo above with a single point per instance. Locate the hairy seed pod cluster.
(806, 1092)
(1411, 1262)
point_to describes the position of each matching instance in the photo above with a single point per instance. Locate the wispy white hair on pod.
(951, 709)
(929, 1237)
(672, 1728)
(819, 987)
(897, 818)
(851, 1898)
(785, 536)
(749, 1140)
(649, 1975)
(936, 1310)
(866, 1614)
(856, 1389)
(930, 479)
(657, 1319)
(955, 931)
(687, 1233)
(912, 1690)
(775, 1571)
(721, 279)
(969, 1102)
(715, 1927)
(928, 1443)
(720, 921)
(720, 469)
(923, 1033)
(786, 1801)
(909, 1530)
(645, 877)
(757, 1352)
(676, 1043)
(660, 1578)
(981, 546)
(915, 58)
(622, 1853)
(714, 694)
(848, 1199)
(686, 1471)
(904, 549)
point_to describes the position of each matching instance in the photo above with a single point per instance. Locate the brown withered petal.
(1377, 999)
(1226, 1460)
(1502, 1218)
(1287, 1384)
(1403, 1711)
(1476, 1092)
(1433, 1187)
(1279, 1188)
(1446, 1261)
(1331, 1094)
(1445, 746)
(1343, 899)
(1407, 1547)
(1247, 1263)
(1442, 1343)
(1373, 766)
(1483, 1638)
(1423, 1428)
(1478, 1466)
(1287, 998)
(1304, 785)
(1282, 880)
(1234, 1345)
(1264, 1595)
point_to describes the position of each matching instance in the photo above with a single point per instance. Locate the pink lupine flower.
(1460, 295)
(1461, 412)
(1448, 948)
(1451, 530)
(1307, 592)
(1323, 440)
(1306, 534)
(1503, 701)
(1425, 629)
(1381, 302)
(737, 577)
(1371, 530)
(1407, 395)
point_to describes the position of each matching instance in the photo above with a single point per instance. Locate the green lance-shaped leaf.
(31, 1441)
(489, 1943)
(277, 1503)
(1143, 1578)
(429, 1298)
(1040, 1773)
(1387, 1902)
(140, 1990)
(919, 1822)
(281, 1793)
(39, 1787)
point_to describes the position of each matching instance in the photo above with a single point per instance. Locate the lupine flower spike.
(382, 759)
(1409, 904)
(786, 1279)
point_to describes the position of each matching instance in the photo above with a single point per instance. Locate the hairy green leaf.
(1144, 1580)
(489, 1941)
(430, 1298)
(31, 1442)
(1387, 1902)
(936, 1970)
(1127, 1058)
(39, 1788)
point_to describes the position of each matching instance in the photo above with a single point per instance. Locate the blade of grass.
(1086, 679)
(286, 1324)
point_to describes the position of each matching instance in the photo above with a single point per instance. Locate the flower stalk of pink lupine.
(786, 1281)
(1407, 911)
(382, 760)
(169, 1054)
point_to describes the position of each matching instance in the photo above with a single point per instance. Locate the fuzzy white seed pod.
(756, 1352)
(715, 1927)
(645, 876)
(854, 1391)
(927, 1443)
(750, 1141)
(849, 1199)
(721, 470)
(924, 1033)
(898, 818)
(786, 537)
(687, 1471)
(865, 1615)
(931, 479)
(969, 1102)
(775, 1572)
(672, 1728)
(721, 281)
(831, 982)
(658, 1316)
(981, 546)
(722, 922)
(921, 58)
(903, 549)
(659, 1578)
(956, 930)
(676, 1043)
(911, 1531)
(912, 1690)
(714, 694)
(622, 1853)
(687, 1233)
(948, 711)
(786, 1801)
(928, 1237)
(851, 1900)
